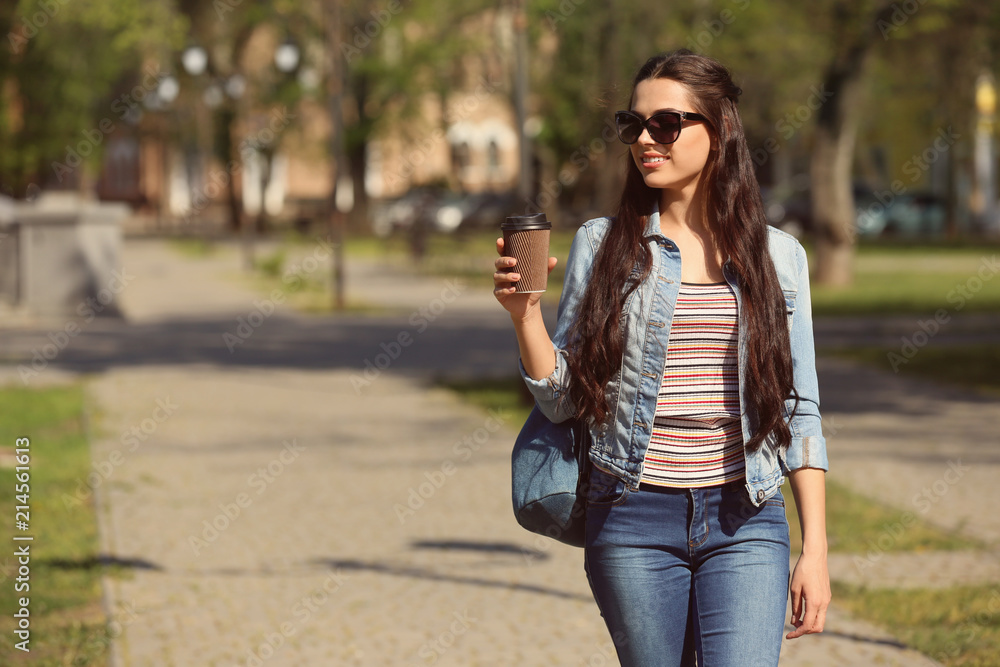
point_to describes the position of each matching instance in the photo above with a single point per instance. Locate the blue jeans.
(684, 572)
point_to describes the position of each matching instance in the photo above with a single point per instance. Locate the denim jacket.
(647, 315)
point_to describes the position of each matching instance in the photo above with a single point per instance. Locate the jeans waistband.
(656, 488)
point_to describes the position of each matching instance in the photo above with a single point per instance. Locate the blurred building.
(163, 163)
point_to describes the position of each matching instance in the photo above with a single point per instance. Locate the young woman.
(684, 338)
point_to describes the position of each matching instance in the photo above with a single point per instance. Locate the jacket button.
(760, 495)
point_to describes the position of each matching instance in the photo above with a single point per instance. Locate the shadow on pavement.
(459, 343)
(103, 561)
(431, 575)
(488, 547)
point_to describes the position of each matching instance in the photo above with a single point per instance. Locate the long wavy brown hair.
(736, 212)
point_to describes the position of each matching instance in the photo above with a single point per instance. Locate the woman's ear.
(727, 124)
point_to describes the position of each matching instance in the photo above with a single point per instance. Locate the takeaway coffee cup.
(526, 238)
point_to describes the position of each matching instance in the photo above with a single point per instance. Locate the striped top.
(697, 437)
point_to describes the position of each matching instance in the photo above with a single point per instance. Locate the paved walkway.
(279, 506)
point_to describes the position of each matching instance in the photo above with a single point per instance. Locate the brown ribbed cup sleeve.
(531, 249)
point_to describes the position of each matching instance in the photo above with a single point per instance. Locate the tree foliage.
(64, 61)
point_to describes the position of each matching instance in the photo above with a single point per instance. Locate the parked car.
(788, 210)
(920, 213)
(392, 216)
(870, 212)
(877, 213)
(486, 210)
(444, 211)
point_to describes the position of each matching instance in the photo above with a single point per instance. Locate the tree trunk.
(357, 155)
(838, 114)
(608, 164)
(225, 151)
(832, 196)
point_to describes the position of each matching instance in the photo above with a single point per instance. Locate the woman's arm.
(810, 584)
(543, 361)
(537, 351)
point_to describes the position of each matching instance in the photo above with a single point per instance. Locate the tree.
(855, 28)
(395, 56)
(57, 106)
(929, 119)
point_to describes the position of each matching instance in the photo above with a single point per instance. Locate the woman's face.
(675, 165)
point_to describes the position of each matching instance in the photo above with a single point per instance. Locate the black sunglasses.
(664, 126)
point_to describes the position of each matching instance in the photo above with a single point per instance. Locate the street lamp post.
(224, 94)
(335, 91)
(521, 99)
(160, 102)
(984, 158)
(286, 60)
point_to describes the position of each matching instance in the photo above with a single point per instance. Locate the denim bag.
(550, 468)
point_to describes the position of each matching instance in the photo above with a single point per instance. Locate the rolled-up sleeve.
(808, 446)
(552, 393)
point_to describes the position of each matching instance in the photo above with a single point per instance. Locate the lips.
(653, 160)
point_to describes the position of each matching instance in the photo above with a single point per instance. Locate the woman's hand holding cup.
(518, 304)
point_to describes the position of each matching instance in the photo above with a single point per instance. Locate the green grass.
(272, 265)
(468, 256)
(67, 622)
(889, 278)
(972, 365)
(912, 278)
(499, 394)
(958, 626)
(472, 257)
(859, 525)
(307, 293)
(193, 247)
